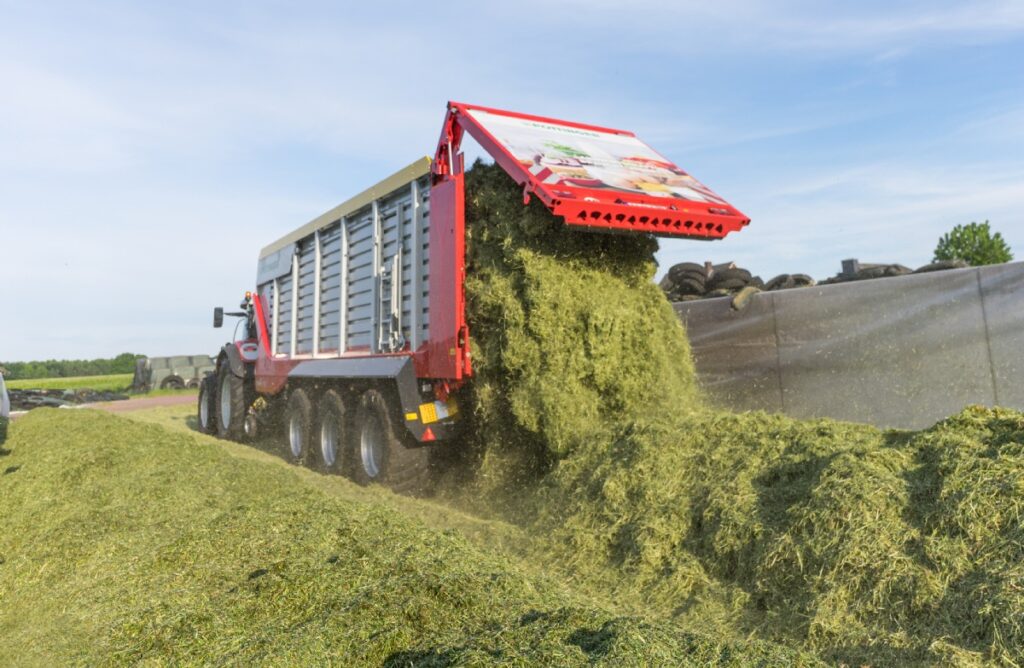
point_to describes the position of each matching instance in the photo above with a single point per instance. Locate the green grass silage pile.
(867, 547)
(572, 338)
(127, 543)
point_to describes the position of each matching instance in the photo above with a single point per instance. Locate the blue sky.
(148, 151)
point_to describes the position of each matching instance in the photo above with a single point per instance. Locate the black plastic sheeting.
(895, 352)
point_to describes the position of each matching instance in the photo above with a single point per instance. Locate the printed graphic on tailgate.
(588, 158)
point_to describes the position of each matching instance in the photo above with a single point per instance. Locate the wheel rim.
(225, 401)
(295, 437)
(250, 426)
(204, 408)
(371, 447)
(329, 441)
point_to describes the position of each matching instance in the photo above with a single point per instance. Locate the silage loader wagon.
(355, 339)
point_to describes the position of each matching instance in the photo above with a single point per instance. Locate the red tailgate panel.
(599, 178)
(447, 350)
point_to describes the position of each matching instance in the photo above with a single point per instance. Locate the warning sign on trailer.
(582, 157)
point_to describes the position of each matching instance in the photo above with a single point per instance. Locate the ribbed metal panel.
(306, 303)
(336, 305)
(330, 288)
(284, 314)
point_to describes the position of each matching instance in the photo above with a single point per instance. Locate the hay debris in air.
(868, 547)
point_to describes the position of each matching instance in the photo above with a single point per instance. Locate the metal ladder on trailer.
(389, 322)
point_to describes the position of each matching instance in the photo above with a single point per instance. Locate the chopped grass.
(572, 338)
(118, 382)
(640, 522)
(125, 542)
(867, 547)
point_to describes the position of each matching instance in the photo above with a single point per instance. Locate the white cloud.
(755, 25)
(883, 212)
(146, 154)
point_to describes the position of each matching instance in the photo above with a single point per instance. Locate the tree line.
(123, 363)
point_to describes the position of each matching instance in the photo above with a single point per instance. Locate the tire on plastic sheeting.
(686, 269)
(730, 284)
(723, 275)
(689, 286)
(378, 454)
(780, 282)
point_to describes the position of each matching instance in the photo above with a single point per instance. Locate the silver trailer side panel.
(355, 278)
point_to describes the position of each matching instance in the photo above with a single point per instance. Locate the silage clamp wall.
(893, 352)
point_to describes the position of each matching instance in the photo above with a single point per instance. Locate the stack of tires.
(687, 281)
(870, 271)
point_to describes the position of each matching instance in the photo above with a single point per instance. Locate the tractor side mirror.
(218, 316)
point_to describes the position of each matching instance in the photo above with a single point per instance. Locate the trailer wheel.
(332, 434)
(378, 455)
(298, 426)
(207, 406)
(230, 404)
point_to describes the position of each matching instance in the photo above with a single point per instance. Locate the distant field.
(111, 383)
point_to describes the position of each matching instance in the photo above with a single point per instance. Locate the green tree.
(975, 244)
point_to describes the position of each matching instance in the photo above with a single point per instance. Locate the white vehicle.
(5, 409)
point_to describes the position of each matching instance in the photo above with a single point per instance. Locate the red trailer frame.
(599, 179)
(577, 201)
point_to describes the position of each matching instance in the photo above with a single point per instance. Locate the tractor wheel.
(208, 404)
(379, 455)
(230, 404)
(298, 427)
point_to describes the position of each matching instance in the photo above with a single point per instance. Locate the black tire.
(941, 265)
(331, 437)
(687, 270)
(730, 284)
(206, 412)
(378, 454)
(723, 275)
(689, 287)
(231, 404)
(298, 427)
(780, 282)
(172, 383)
